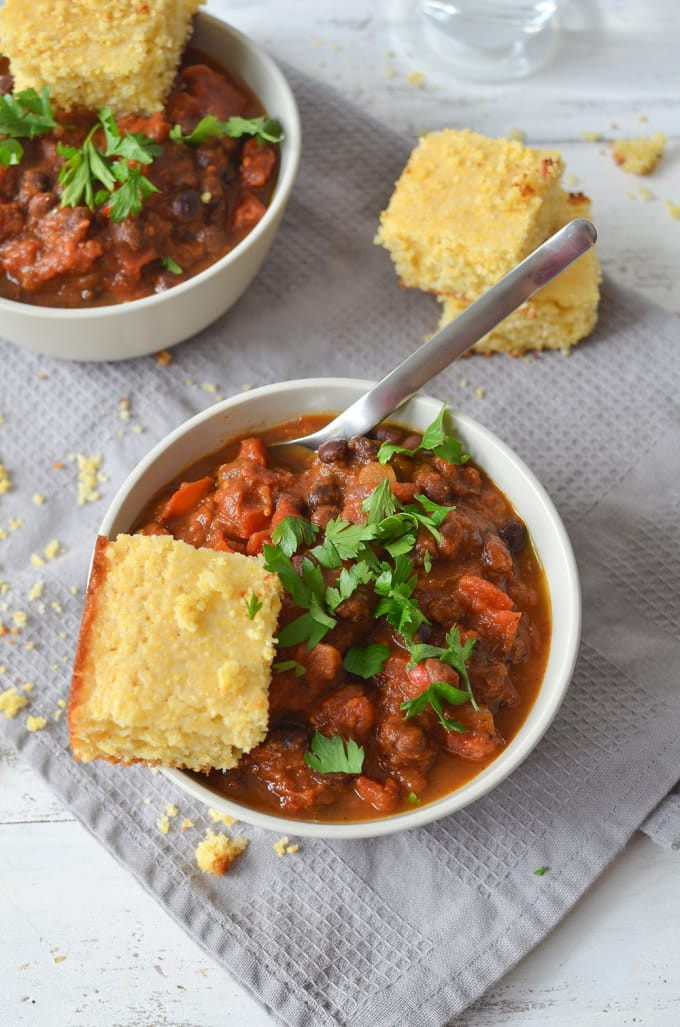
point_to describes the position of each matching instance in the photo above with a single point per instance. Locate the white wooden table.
(614, 959)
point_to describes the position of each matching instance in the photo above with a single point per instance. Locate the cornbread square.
(170, 669)
(563, 312)
(639, 156)
(121, 54)
(467, 208)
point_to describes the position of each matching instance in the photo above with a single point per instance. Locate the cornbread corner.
(121, 54)
(557, 317)
(639, 156)
(170, 668)
(215, 854)
(467, 208)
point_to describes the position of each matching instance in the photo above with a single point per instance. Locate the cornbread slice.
(557, 317)
(170, 668)
(121, 54)
(639, 156)
(467, 208)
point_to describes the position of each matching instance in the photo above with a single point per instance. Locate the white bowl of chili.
(263, 409)
(132, 327)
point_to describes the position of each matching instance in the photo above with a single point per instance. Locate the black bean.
(333, 452)
(324, 495)
(513, 534)
(363, 449)
(438, 490)
(387, 433)
(187, 205)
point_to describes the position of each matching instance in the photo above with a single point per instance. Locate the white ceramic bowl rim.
(284, 184)
(568, 629)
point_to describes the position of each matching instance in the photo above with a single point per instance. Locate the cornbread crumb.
(284, 847)
(59, 959)
(163, 823)
(163, 357)
(5, 480)
(37, 560)
(15, 523)
(28, 687)
(20, 618)
(121, 55)
(466, 209)
(673, 209)
(89, 476)
(416, 78)
(11, 702)
(171, 810)
(218, 817)
(169, 668)
(592, 137)
(479, 392)
(645, 194)
(639, 156)
(517, 134)
(36, 591)
(186, 824)
(58, 714)
(61, 703)
(216, 853)
(53, 549)
(38, 499)
(35, 723)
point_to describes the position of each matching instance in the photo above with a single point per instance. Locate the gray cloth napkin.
(407, 929)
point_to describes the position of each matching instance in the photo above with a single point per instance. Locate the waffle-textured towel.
(411, 928)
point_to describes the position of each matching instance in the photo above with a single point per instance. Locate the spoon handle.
(451, 341)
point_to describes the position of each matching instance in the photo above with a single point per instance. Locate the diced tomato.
(480, 595)
(284, 508)
(187, 496)
(253, 449)
(258, 541)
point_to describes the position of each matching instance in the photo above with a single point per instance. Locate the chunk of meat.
(481, 738)
(348, 712)
(382, 797)
(279, 764)
(257, 163)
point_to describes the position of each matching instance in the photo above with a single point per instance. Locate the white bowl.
(275, 404)
(133, 329)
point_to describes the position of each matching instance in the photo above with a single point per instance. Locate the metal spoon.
(450, 342)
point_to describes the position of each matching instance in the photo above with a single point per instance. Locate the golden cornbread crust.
(170, 668)
(467, 208)
(121, 54)
(557, 317)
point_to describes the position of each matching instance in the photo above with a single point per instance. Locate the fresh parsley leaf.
(170, 265)
(128, 200)
(435, 695)
(253, 606)
(308, 592)
(435, 439)
(344, 541)
(293, 665)
(348, 581)
(365, 661)
(380, 503)
(264, 129)
(456, 655)
(396, 585)
(81, 169)
(26, 114)
(309, 627)
(427, 562)
(540, 871)
(292, 531)
(329, 755)
(11, 152)
(130, 145)
(278, 563)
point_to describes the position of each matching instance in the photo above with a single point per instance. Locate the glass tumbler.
(491, 40)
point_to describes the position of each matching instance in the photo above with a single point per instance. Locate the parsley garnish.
(86, 165)
(540, 871)
(23, 115)
(329, 756)
(293, 665)
(365, 661)
(435, 439)
(348, 581)
(253, 606)
(455, 654)
(437, 693)
(291, 532)
(171, 265)
(380, 503)
(344, 541)
(307, 591)
(396, 585)
(264, 129)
